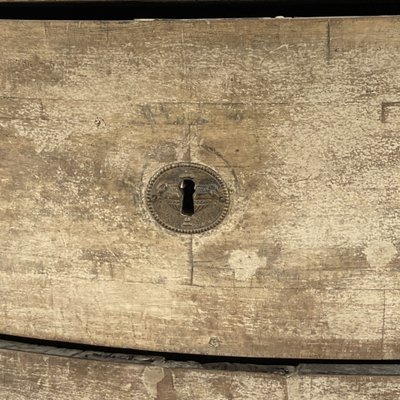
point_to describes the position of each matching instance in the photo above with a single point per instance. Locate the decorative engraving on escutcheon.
(187, 197)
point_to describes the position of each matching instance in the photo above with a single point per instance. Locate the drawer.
(298, 121)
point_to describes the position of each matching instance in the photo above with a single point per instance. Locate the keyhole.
(187, 187)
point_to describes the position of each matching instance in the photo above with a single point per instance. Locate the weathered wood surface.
(300, 117)
(69, 376)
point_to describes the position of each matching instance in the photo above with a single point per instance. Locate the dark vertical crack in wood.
(191, 259)
(328, 44)
(383, 324)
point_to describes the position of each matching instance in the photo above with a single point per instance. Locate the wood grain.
(69, 375)
(300, 117)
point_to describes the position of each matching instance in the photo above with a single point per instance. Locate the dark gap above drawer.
(191, 9)
(227, 363)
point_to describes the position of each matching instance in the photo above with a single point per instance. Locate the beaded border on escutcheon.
(214, 174)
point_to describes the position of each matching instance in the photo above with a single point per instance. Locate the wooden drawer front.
(300, 118)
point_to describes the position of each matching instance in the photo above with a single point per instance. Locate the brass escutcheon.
(187, 197)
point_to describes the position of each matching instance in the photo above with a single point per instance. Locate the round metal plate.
(187, 197)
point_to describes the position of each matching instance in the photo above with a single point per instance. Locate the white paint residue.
(245, 264)
(380, 253)
(127, 387)
(151, 377)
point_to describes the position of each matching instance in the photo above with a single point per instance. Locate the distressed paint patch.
(245, 264)
(379, 253)
(151, 377)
